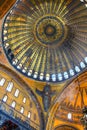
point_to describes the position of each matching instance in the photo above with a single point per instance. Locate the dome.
(46, 40)
(67, 108)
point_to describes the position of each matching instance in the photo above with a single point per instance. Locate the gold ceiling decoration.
(67, 107)
(14, 90)
(50, 31)
(46, 40)
(5, 5)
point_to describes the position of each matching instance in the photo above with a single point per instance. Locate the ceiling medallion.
(46, 40)
(50, 31)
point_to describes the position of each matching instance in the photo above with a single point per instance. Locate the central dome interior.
(46, 40)
(50, 30)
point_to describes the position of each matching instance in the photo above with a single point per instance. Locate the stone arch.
(67, 107)
(65, 127)
(14, 81)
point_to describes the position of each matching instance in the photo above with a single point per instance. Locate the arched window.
(9, 87)
(22, 110)
(24, 100)
(5, 98)
(69, 116)
(16, 93)
(29, 114)
(2, 81)
(13, 104)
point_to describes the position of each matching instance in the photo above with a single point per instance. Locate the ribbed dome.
(47, 40)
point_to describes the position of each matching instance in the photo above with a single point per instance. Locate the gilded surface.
(5, 5)
(17, 36)
(46, 40)
(71, 101)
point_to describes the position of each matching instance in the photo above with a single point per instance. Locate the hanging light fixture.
(84, 118)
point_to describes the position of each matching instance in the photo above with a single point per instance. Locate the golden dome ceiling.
(73, 99)
(16, 97)
(46, 40)
(66, 109)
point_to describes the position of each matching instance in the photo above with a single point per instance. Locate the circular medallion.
(50, 30)
(46, 40)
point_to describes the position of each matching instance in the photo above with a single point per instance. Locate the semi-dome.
(67, 108)
(46, 40)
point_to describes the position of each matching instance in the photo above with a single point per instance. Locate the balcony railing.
(17, 117)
